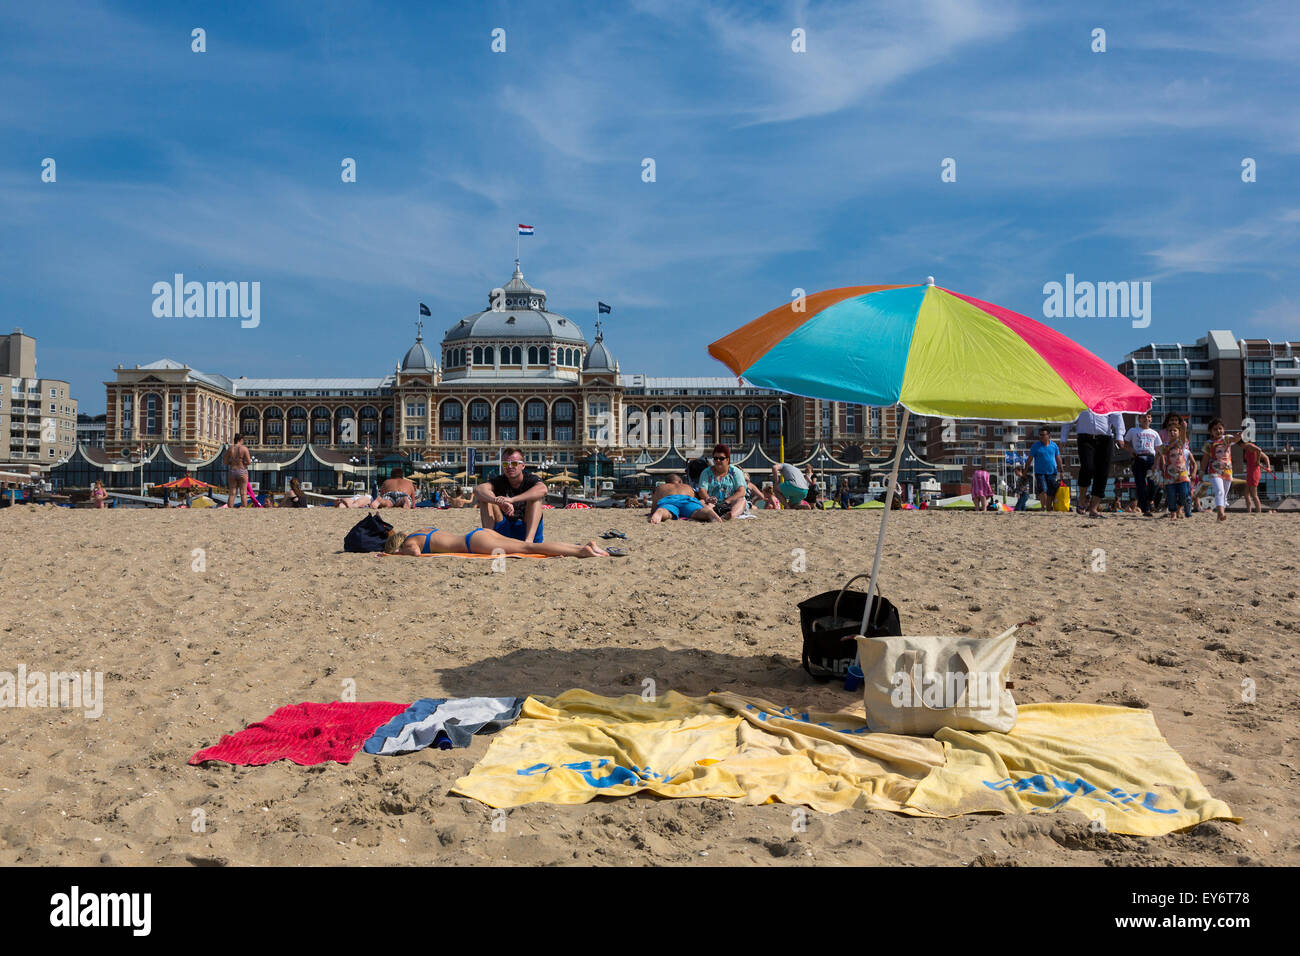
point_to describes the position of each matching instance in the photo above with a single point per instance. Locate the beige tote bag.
(916, 685)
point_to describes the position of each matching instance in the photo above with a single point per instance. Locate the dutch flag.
(525, 230)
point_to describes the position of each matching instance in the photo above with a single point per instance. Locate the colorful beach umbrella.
(934, 351)
(184, 483)
(931, 350)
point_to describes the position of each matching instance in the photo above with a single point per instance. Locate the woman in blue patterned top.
(723, 485)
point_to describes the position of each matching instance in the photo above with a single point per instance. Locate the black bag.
(368, 534)
(832, 616)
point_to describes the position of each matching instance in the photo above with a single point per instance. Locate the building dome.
(418, 357)
(516, 311)
(598, 357)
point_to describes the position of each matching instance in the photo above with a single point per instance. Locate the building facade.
(38, 416)
(513, 373)
(1244, 382)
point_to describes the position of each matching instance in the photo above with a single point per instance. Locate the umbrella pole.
(889, 503)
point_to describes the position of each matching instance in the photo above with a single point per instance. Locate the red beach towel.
(307, 734)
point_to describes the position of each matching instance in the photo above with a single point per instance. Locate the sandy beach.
(1174, 618)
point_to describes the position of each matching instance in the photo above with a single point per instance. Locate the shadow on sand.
(612, 671)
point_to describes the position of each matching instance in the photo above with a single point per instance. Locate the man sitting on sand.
(511, 503)
(396, 492)
(676, 499)
(484, 541)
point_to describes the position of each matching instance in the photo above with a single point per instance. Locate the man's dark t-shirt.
(501, 485)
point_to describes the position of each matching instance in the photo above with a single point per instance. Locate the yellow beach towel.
(1110, 763)
(572, 748)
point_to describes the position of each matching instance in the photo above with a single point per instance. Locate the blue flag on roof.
(602, 307)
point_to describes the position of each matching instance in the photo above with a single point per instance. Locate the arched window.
(681, 427)
(369, 424)
(345, 434)
(507, 420)
(565, 417)
(517, 356)
(635, 428)
(532, 355)
(489, 356)
(297, 425)
(535, 420)
(753, 423)
(478, 355)
(274, 426)
(728, 424)
(656, 427)
(450, 414)
(250, 426)
(320, 424)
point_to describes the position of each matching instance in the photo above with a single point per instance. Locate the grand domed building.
(514, 373)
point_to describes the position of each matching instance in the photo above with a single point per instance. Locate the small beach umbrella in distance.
(185, 483)
(931, 350)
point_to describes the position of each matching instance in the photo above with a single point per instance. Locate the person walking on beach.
(1021, 488)
(1254, 457)
(1216, 462)
(511, 503)
(1173, 462)
(1047, 467)
(238, 460)
(981, 492)
(1095, 437)
(1142, 441)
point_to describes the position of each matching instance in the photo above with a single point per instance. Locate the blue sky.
(774, 169)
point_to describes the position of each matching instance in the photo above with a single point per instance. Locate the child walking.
(1256, 461)
(1216, 462)
(1173, 463)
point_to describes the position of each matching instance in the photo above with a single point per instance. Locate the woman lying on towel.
(484, 541)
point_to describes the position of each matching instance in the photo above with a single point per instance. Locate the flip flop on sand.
(617, 552)
(614, 534)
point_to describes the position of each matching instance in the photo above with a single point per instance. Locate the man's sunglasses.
(512, 464)
(719, 457)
